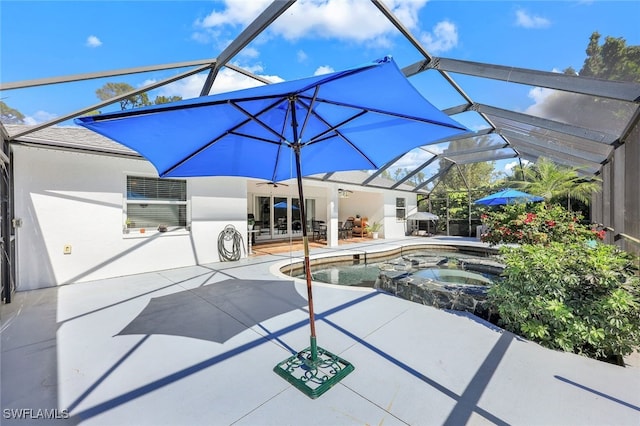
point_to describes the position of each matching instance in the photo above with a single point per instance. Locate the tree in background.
(462, 177)
(614, 60)
(166, 99)
(462, 184)
(9, 115)
(557, 184)
(111, 90)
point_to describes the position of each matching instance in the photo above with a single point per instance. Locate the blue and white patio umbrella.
(356, 119)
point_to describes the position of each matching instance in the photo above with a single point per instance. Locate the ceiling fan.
(344, 193)
(273, 184)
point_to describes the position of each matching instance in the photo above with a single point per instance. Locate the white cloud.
(510, 166)
(147, 82)
(352, 20)
(237, 12)
(443, 38)
(324, 69)
(206, 36)
(540, 95)
(414, 158)
(39, 117)
(250, 52)
(525, 20)
(302, 56)
(226, 81)
(93, 41)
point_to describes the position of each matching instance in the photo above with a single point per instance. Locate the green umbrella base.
(313, 377)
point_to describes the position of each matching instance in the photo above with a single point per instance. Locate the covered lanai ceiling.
(581, 123)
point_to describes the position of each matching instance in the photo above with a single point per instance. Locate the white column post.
(332, 216)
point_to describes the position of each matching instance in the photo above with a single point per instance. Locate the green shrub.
(536, 224)
(578, 297)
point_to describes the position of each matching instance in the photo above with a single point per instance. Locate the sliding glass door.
(279, 217)
(280, 213)
(263, 217)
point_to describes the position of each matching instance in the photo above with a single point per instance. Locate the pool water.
(439, 267)
(350, 275)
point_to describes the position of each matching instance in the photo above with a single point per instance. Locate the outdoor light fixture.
(344, 193)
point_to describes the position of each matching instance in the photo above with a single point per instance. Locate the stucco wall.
(67, 198)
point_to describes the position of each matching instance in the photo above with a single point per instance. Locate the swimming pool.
(445, 277)
(436, 266)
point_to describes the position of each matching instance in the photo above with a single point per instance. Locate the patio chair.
(319, 229)
(346, 230)
(282, 225)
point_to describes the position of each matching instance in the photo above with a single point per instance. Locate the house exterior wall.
(77, 199)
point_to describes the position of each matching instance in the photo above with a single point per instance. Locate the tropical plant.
(536, 224)
(575, 297)
(555, 183)
(373, 227)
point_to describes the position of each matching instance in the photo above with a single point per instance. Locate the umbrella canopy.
(356, 119)
(216, 312)
(423, 216)
(508, 196)
(283, 205)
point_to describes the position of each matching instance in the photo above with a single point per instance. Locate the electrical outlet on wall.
(67, 249)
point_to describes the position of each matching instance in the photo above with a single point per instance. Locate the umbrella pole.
(307, 264)
(313, 370)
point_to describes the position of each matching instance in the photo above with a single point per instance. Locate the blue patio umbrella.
(508, 196)
(356, 119)
(283, 205)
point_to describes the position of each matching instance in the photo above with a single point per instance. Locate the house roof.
(70, 138)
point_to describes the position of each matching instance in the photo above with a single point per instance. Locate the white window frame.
(133, 231)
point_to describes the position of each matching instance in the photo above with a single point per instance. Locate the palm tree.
(555, 183)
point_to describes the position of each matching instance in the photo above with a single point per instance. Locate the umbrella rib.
(309, 109)
(257, 138)
(390, 113)
(255, 118)
(216, 139)
(280, 136)
(318, 138)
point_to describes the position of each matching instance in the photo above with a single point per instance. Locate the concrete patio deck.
(414, 365)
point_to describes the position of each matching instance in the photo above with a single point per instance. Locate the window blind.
(152, 202)
(144, 188)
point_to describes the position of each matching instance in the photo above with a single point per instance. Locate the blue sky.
(55, 38)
